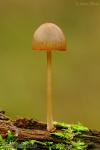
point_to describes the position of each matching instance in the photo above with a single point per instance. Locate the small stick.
(49, 93)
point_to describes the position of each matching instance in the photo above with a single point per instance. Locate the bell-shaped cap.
(48, 37)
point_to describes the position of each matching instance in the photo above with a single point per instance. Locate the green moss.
(58, 135)
(77, 128)
(59, 146)
(10, 136)
(65, 134)
(61, 125)
(4, 145)
(78, 145)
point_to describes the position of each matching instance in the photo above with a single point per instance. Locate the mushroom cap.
(48, 36)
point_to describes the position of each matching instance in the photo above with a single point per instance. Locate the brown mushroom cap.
(48, 37)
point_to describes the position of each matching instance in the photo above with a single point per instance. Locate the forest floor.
(29, 134)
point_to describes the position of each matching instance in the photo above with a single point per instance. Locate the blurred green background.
(75, 73)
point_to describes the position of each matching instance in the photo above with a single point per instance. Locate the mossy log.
(30, 129)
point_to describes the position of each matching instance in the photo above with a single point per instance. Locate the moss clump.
(75, 127)
(68, 132)
(79, 145)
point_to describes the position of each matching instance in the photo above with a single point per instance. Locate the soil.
(26, 129)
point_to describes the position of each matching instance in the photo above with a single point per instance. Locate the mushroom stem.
(49, 93)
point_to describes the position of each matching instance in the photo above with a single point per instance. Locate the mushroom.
(49, 36)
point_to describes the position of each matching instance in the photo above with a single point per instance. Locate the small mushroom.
(49, 37)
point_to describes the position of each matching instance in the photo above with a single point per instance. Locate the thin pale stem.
(49, 93)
